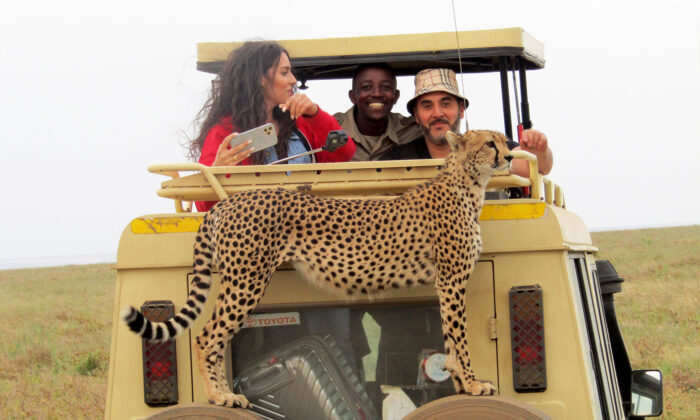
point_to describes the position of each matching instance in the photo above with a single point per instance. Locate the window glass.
(381, 352)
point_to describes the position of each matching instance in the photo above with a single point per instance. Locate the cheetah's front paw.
(229, 399)
(480, 388)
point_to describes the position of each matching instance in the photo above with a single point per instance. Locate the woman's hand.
(234, 155)
(298, 105)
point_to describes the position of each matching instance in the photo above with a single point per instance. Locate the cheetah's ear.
(472, 137)
(453, 139)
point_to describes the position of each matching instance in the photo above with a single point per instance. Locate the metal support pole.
(525, 105)
(505, 94)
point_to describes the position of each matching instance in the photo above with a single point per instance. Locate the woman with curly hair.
(255, 87)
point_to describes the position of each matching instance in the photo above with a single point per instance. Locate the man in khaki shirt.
(370, 121)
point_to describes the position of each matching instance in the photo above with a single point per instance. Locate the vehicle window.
(482, 89)
(380, 351)
(599, 342)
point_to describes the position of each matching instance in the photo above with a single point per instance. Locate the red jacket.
(315, 129)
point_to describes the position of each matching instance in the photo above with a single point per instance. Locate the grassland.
(54, 341)
(659, 307)
(55, 328)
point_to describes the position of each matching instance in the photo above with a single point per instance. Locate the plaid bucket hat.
(435, 80)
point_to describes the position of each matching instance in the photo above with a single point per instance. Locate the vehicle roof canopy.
(337, 58)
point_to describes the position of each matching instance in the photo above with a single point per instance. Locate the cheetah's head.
(481, 151)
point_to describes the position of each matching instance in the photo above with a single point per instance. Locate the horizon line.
(111, 257)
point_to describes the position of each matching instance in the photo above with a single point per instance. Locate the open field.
(55, 329)
(659, 307)
(54, 341)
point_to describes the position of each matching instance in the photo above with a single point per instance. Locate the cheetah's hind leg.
(210, 362)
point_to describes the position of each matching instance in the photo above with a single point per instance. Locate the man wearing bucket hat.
(438, 107)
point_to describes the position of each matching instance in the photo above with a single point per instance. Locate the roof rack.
(344, 180)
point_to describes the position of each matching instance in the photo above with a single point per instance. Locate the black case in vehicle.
(308, 378)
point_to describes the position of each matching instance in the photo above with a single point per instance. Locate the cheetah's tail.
(199, 290)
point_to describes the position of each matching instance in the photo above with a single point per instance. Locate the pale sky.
(93, 92)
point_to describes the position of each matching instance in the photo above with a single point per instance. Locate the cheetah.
(429, 234)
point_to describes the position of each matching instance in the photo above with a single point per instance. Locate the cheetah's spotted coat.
(356, 247)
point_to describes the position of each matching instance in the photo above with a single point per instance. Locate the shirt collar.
(391, 128)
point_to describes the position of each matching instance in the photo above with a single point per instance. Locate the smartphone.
(263, 137)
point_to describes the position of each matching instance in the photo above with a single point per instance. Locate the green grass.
(56, 326)
(54, 341)
(659, 307)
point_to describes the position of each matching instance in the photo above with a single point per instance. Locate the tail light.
(527, 339)
(159, 359)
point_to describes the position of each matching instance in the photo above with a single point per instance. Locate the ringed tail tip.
(128, 313)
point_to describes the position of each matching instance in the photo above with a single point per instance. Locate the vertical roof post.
(524, 104)
(505, 94)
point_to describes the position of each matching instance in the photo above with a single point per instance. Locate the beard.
(440, 140)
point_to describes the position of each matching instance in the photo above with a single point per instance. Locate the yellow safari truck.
(542, 324)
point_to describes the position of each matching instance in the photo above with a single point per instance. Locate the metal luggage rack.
(342, 180)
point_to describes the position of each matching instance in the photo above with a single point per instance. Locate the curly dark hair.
(236, 92)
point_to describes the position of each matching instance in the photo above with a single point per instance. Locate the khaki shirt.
(400, 130)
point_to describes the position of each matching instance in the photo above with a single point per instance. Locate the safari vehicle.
(542, 324)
